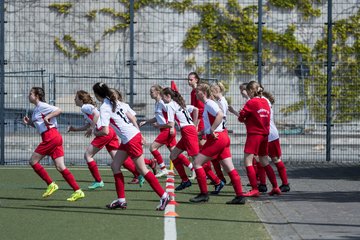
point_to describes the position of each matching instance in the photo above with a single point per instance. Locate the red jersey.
(200, 105)
(256, 116)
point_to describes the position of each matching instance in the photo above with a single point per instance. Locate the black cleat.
(237, 200)
(117, 204)
(202, 197)
(218, 188)
(285, 188)
(183, 185)
(262, 188)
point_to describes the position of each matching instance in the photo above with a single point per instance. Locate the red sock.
(252, 177)
(261, 173)
(282, 172)
(185, 161)
(236, 182)
(201, 179)
(209, 172)
(130, 165)
(178, 164)
(271, 175)
(94, 170)
(154, 183)
(217, 167)
(119, 185)
(254, 163)
(67, 175)
(157, 156)
(38, 168)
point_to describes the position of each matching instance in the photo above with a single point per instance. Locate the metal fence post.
(259, 53)
(131, 62)
(329, 82)
(2, 83)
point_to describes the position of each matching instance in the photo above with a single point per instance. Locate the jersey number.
(187, 116)
(122, 115)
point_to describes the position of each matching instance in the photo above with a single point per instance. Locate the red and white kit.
(161, 116)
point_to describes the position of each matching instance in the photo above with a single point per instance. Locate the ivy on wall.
(61, 8)
(230, 35)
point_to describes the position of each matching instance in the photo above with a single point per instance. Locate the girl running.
(44, 120)
(119, 115)
(110, 141)
(179, 112)
(167, 135)
(217, 146)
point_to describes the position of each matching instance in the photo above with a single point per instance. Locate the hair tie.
(101, 84)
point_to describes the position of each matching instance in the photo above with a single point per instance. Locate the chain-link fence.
(67, 46)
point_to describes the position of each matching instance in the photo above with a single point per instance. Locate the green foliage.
(304, 6)
(62, 8)
(91, 15)
(70, 48)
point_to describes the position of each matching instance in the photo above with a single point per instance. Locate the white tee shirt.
(211, 108)
(273, 134)
(180, 115)
(161, 112)
(118, 119)
(224, 106)
(88, 112)
(40, 111)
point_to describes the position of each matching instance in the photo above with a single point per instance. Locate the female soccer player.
(217, 146)
(44, 120)
(110, 141)
(180, 112)
(119, 115)
(256, 116)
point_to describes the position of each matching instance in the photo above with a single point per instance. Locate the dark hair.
(118, 94)
(269, 96)
(85, 97)
(196, 76)
(39, 92)
(255, 88)
(103, 91)
(243, 85)
(175, 95)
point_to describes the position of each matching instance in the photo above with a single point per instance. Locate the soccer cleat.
(163, 203)
(275, 191)
(51, 188)
(285, 188)
(96, 185)
(218, 188)
(252, 193)
(117, 204)
(193, 175)
(237, 200)
(202, 197)
(153, 166)
(78, 194)
(162, 172)
(135, 180)
(183, 185)
(141, 180)
(262, 188)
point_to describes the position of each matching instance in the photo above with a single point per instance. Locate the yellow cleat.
(50, 189)
(78, 194)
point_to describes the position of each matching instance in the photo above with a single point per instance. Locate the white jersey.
(273, 134)
(224, 106)
(211, 108)
(160, 112)
(40, 111)
(118, 119)
(180, 115)
(88, 112)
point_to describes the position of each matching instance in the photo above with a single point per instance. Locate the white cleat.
(162, 172)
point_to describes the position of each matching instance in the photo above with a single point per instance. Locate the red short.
(110, 141)
(217, 148)
(189, 140)
(166, 138)
(256, 144)
(51, 145)
(274, 149)
(134, 147)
